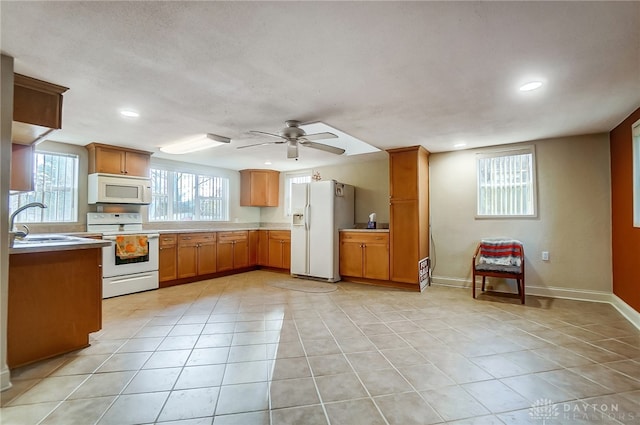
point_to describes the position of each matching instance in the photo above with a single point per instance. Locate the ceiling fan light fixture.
(195, 144)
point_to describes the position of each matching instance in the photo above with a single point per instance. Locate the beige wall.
(370, 178)
(573, 223)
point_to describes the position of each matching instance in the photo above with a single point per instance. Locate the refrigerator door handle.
(307, 208)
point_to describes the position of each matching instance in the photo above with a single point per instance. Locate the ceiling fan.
(293, 136)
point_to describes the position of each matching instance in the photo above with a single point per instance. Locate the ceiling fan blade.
(323, 147)
(320, 136)
(259, 144)
(267, 134)
(292, 150)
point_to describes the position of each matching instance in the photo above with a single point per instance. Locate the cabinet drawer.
(362, 237)
(168, 240)
(204, 237)
(233, 236)
(280, 234)
(187, 239)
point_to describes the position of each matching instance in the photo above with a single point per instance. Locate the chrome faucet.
(21, 234)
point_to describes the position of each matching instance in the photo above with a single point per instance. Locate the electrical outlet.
(545, 255)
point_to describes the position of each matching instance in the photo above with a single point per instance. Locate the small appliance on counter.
(372, 223)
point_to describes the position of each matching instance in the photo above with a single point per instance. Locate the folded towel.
(504, 252)
(131, 246)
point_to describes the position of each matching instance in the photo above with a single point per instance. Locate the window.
(290, 179)
(182, 196)
(55, 178)
(506, 183)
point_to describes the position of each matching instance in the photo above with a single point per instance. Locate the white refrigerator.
(319, 209)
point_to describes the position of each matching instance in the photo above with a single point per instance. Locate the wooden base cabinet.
(233, 250)
(280, 249)
(55, 301)
(364, 255)
(168, 259)
(197, 254)
(263, 247)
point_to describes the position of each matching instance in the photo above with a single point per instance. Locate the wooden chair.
(499, 258)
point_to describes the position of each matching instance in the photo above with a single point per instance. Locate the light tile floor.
(236, 350)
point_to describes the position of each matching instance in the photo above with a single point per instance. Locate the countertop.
(366, 230)
(65, 245)
(226, 229)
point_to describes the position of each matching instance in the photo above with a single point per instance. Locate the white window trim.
(197, 172)
(74, 189)
(528, 149)
(287, 191)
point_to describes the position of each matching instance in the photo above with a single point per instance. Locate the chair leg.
(518, 285)
(473, 284)
(484, 278)
(522, 294)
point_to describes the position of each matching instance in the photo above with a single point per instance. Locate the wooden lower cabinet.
(364, 255)
(233, 250)
(254, 241)
(168, 258)
(197, 254)
(55, 301)
(263, 247)
(280, 249)
(405, 240)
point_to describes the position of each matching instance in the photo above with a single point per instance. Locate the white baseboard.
(626, 310)
(5, 378)
(554, 292)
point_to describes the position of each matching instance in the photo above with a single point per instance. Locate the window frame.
(41, 196)
(513, 151)
(287, 187)
(197, 178)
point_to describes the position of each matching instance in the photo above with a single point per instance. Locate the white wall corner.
(5, 379)
(626, 310)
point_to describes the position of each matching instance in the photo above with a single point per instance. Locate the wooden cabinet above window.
(37, 109)
(117, 160)
(259, 188)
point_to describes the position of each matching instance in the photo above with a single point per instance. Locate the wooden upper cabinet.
(259, 188)
(116, 160)
(37, 109)
(21, 167)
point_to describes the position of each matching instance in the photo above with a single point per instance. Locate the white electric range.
(122, 276)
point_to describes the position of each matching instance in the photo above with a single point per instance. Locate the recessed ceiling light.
(531, 85)
(129, 113)
(194, 144)
(459, 145)
(267, 163)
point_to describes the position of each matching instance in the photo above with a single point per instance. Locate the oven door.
(112, 265)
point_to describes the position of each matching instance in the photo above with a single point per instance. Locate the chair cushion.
(499, 268)
(501, 252)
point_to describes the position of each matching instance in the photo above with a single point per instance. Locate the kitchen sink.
(45, 238)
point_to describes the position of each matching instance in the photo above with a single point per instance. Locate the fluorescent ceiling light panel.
(194, 144)
(531, 85)
(350, 144)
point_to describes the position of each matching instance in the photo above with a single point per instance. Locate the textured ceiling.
(390, 73)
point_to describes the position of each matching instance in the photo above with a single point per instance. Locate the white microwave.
(115, 189)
